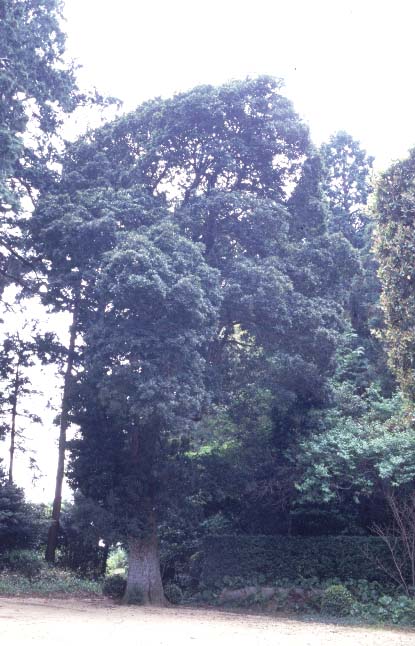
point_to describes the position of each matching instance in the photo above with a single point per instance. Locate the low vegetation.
(26, 573)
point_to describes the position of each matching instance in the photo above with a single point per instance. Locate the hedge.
(281, 557)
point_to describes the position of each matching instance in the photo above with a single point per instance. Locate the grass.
(51, 582)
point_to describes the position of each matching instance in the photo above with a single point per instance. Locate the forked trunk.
(144, 584)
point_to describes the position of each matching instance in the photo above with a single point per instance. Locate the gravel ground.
(98, 623)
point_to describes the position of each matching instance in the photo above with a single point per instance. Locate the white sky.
(347, 64)
(40, 440)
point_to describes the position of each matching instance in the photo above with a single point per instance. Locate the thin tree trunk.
(144, 585)
(105, 555)
(53, 532)
(13, 424)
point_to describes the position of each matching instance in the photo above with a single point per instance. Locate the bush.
(281, 557)
(337, 601)
(21, 525)
(397, 610)
(82, 528)
(173, 593)
(52, 582)
(25, 562)
(114, 586)
(384, 604)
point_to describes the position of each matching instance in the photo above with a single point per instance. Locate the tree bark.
(144, 585)
(13, 424)
(53, 532)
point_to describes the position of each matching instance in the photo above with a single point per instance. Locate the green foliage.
(223, 298)
(276, 557)
(21, 524)
(173, 593)
(212, 278)
(83, 528)
(396, 609)
(346, 182)
(138, 309)
(52, 582)
(144, 372)
(117, 560)
(380, 603)
(25, 562)
(359, 599)
(243, 136)
(179, 541)
(114, 586)
(361, 455)
(394, 248)
(337, 601)
(37, 87)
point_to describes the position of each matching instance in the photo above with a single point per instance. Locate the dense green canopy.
(190, 238)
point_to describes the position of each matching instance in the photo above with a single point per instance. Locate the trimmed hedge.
(281, 557)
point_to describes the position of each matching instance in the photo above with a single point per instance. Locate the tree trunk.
(13, 425)
(144, 584)
(53, 532)
(105, 555)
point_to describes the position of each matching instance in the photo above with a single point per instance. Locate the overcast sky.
(347, 64)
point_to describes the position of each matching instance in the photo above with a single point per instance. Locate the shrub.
(52, 582)
(294, 558)
(399, 610)
(373, 602)
(114, 586)
(25, 562)
(173, 593)
(337, 600)
(21, 524)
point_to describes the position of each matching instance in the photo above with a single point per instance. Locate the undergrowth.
(358, 601)
(50, 582)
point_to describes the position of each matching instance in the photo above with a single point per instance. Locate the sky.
(39, 440)
(347, 65)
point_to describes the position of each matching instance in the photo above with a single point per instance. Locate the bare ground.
(97, 623)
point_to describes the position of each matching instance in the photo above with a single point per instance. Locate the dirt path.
(93, 623)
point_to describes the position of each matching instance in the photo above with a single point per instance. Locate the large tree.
(143, 383)
(225, 160)
(347, 186)
(233, 169)
(395, 249)
(70, 230)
